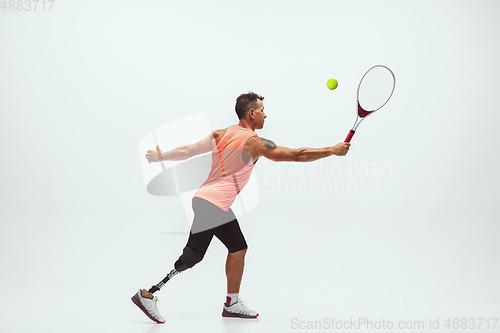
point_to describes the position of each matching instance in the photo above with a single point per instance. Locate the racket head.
(375, 89)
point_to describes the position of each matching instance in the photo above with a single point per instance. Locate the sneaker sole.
(228, 314)
(137, 302)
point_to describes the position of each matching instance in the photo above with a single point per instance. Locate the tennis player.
(235, 150)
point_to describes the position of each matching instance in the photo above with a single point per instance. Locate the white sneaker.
(238, 310)
(149, 307)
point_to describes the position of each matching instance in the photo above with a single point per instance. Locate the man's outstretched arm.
(183, 152)
(264, 147)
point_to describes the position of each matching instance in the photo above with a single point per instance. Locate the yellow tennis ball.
(332, 84)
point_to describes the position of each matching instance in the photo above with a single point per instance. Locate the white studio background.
(83, 83)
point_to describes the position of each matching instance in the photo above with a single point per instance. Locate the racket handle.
(349, 136)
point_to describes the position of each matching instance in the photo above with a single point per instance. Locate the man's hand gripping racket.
(374, 91)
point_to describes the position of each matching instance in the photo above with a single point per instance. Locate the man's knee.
(188, 259)
(239, 255)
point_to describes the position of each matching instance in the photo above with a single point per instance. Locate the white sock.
(232, 298)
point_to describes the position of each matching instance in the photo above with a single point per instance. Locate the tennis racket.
(374, 91)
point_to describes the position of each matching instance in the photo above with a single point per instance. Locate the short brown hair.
(245, 102)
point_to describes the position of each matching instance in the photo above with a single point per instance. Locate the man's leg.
(192, 254)
(207, 217)
(234, 270)
(231, 236)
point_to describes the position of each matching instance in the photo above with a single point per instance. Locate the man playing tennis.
(235, 150)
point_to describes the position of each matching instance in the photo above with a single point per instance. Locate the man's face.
(258, 115)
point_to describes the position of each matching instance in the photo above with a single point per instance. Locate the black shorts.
(210, 220)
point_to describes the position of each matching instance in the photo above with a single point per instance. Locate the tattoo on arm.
(268, 144)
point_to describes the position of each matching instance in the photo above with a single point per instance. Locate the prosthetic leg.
(188, 259)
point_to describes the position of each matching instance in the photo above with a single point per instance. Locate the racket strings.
(375, 88)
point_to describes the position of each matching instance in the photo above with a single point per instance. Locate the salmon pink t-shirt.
(231, 168)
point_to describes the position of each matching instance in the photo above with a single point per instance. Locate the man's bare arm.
(267, 148)
(182, 152)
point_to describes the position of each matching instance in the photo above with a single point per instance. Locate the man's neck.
(246, 124)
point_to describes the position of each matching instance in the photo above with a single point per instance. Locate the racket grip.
(349, 136)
